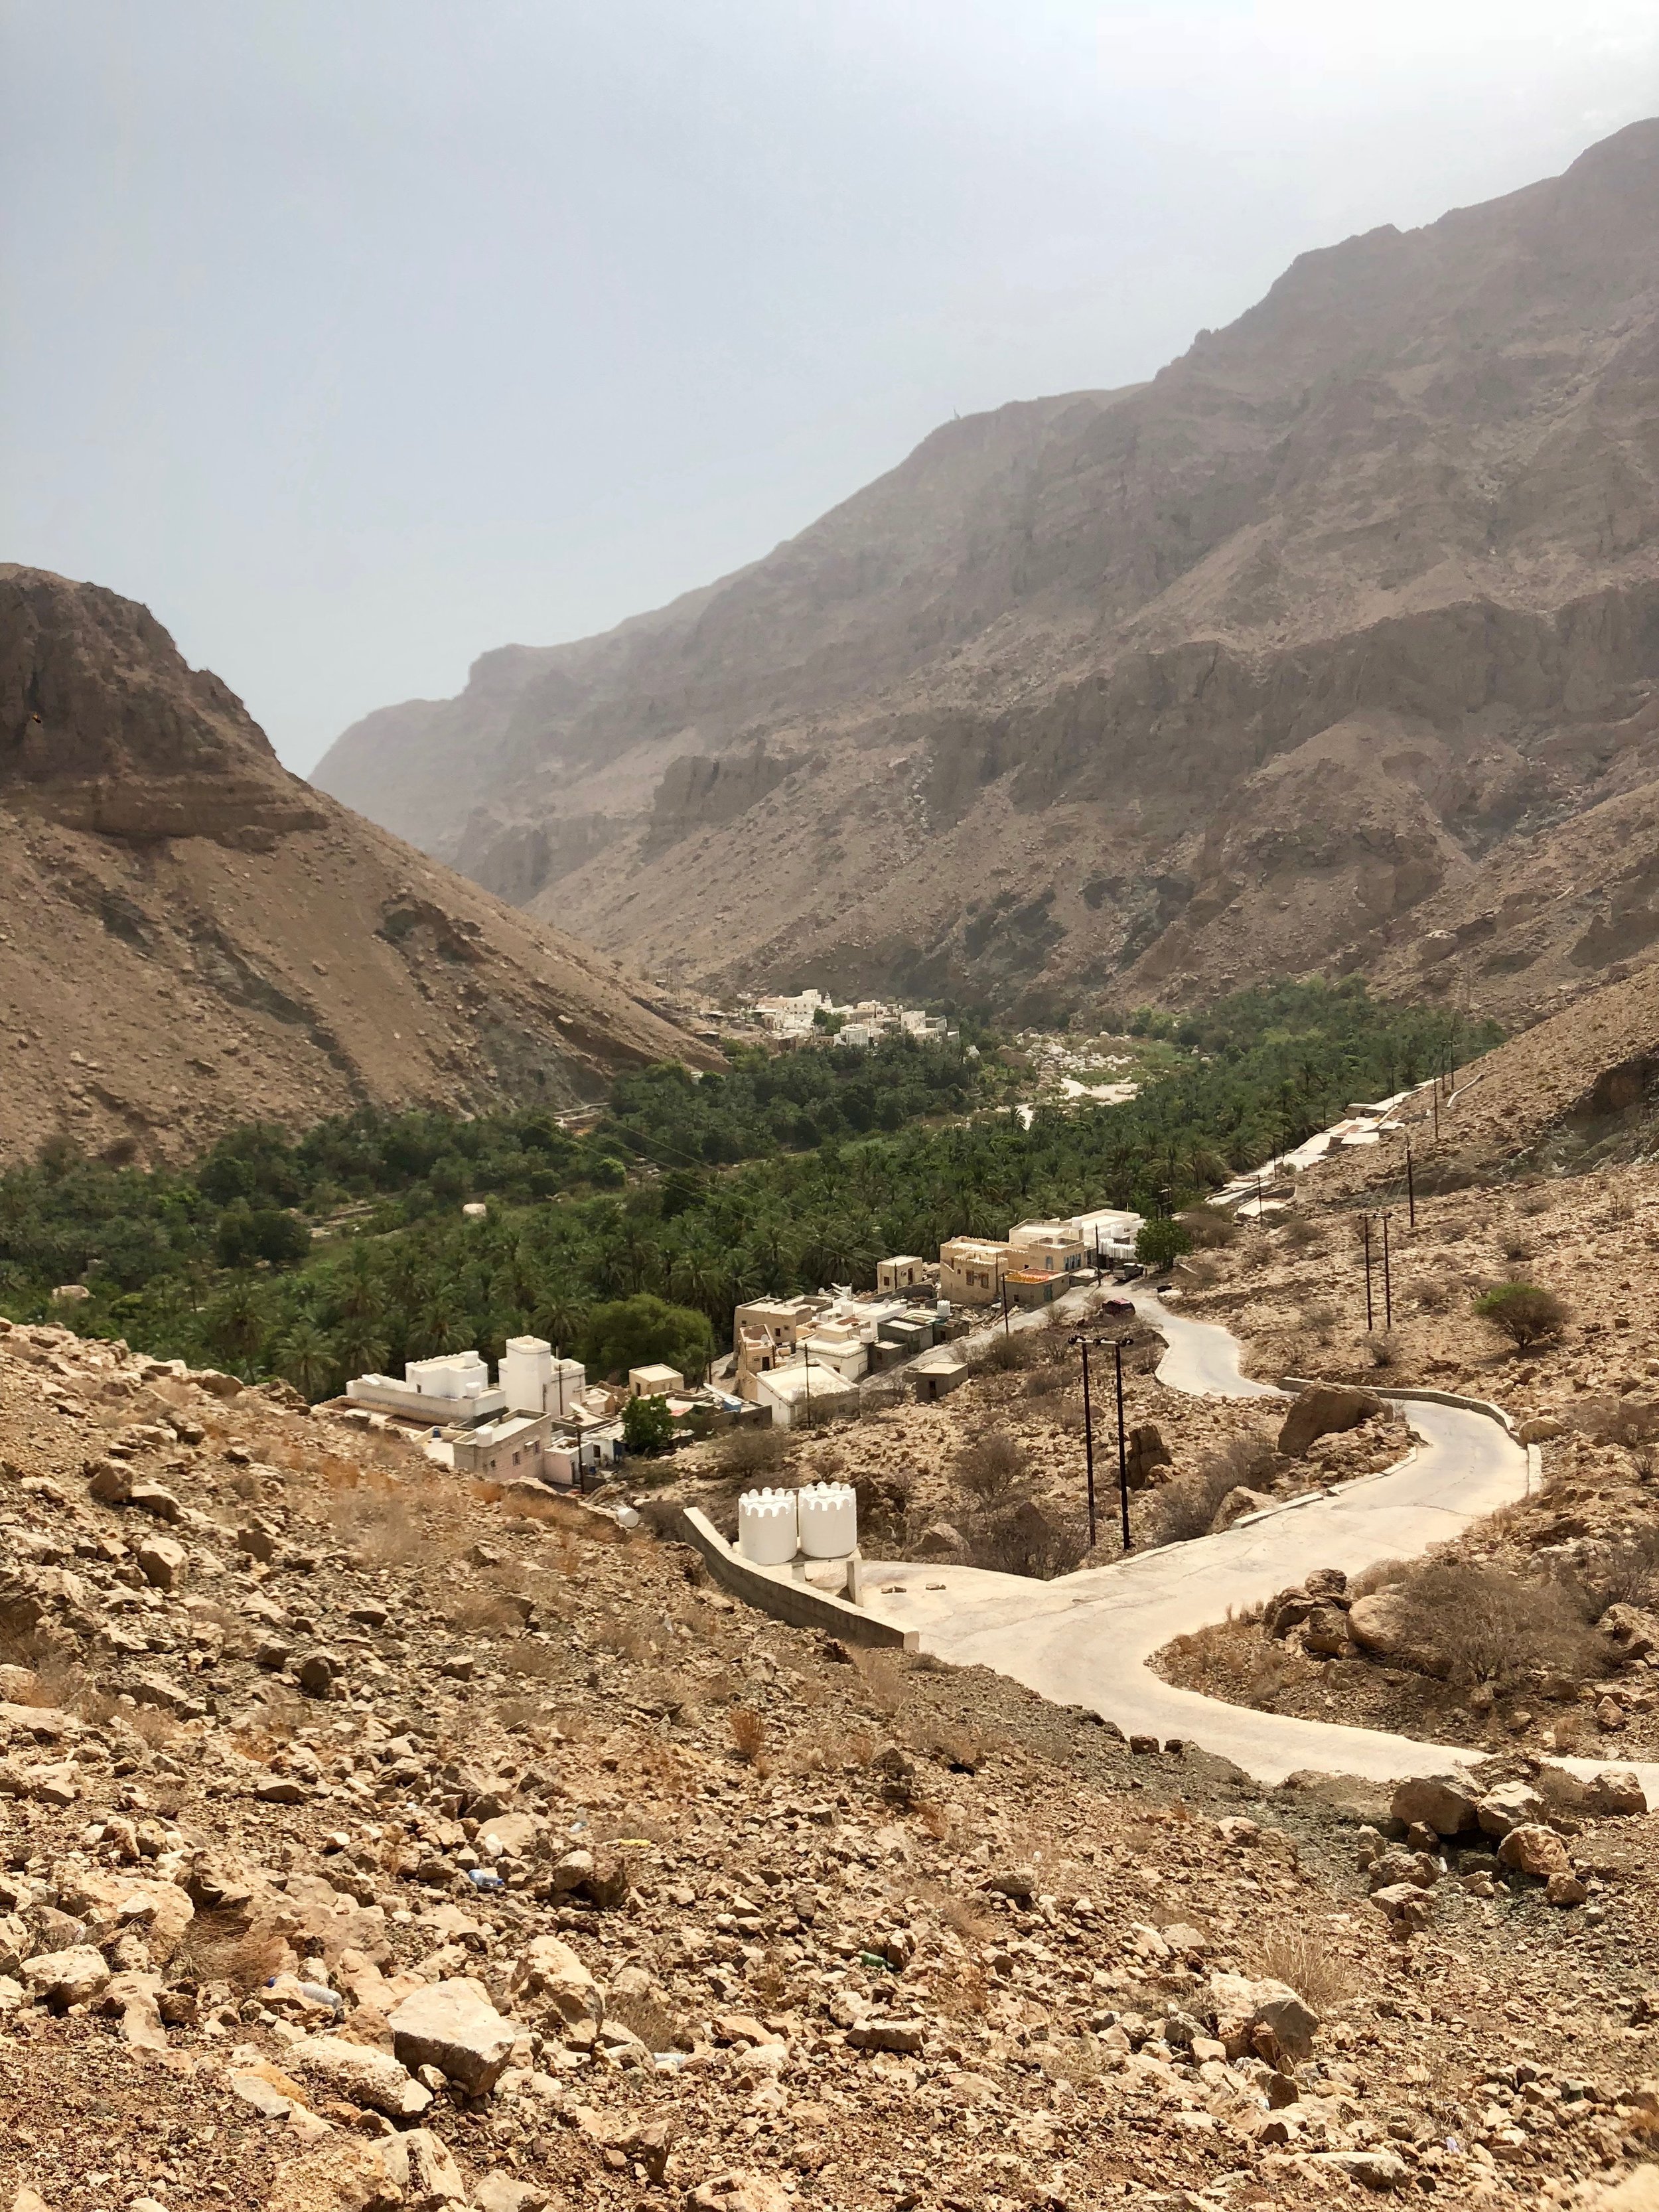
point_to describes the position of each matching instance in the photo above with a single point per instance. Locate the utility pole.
(1365, 1240)
(1089, 1441)
(1122, 1455)
(1003, 1283)
(1388, 1293)
(1435, 1096)
(1411, 1189)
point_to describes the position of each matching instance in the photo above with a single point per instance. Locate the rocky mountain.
(1335, 645)
(190, 936)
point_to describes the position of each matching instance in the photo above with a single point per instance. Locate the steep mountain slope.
(1148, 692)
(189, 936)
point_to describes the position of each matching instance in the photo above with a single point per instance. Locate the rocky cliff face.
(1302, 653)
(190, 936)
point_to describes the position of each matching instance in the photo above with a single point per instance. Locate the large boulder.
(1536, 1850)
(1144, 1449)
(1243, 2006)
(420, 2166)
(1440, 1801)
(1631, 1630)
(61, 1978)
(453, 2026)
(1617, 1791)
(1323, 1411)
(1511, 1805)
(1388, 1627)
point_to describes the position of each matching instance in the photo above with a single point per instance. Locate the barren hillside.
(1321, 648)
(375, 1843)
(192, 936)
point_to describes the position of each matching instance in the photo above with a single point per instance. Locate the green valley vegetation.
(344, 1249)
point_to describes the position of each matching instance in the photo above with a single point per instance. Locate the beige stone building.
(970, 1270)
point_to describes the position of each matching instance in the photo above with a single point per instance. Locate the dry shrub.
(1301, 1234)
(1481, 1625)
(1203, 1270)
(153, 1726)
(626, 1639)
(520, 1715)
(1302, 1958)
(748, 1732)
(990, 1467)
(958, 1746)
(884, 1506)
(883, 1677)
(381, 1532)
(1513, 1245)
(1006, 1352)
(966, 1918)
(530, 1661)
(1208, 1229)
(931, 1819)
(648, 2017)
(1025, 1538)
(1621, 1206)
(220, 1947)
(1382, 1349)
(484, 1613)
(1624, 1572)
(747, 1451)
(1321, 1316)
(1186, 1505)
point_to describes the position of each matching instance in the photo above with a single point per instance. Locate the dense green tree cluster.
(345, 1250)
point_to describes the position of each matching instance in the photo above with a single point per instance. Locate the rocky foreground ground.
(367, 1845)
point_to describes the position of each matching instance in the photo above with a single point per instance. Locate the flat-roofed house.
(970, 1270)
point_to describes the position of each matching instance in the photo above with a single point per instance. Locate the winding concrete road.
(1085, 1638)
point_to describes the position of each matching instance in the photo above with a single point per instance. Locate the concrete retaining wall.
(777, 1592)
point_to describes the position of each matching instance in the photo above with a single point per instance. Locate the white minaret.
(526, 1371)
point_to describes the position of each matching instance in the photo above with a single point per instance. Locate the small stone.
(875, 2033)
(61, 1978)
(318, 1672)
(1564, 1889)
(281, 1790)
(162, 1561)
(452, 2026)
(359, 2074)
(1019, 1882)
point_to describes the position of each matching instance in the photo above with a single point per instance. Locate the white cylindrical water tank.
(829, 1520)
(766, 1527)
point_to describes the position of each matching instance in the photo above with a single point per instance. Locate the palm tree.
(361, 1349)
(559, 1317)
(357, 1292)
(440, 1321)
(236, 1322)
(305, 1358)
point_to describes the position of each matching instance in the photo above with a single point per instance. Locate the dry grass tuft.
(1302, 1958)
(748, 1732)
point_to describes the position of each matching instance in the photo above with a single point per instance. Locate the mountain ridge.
(1417, 480)
(190, 936)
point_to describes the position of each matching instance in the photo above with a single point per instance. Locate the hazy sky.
(356, 336)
